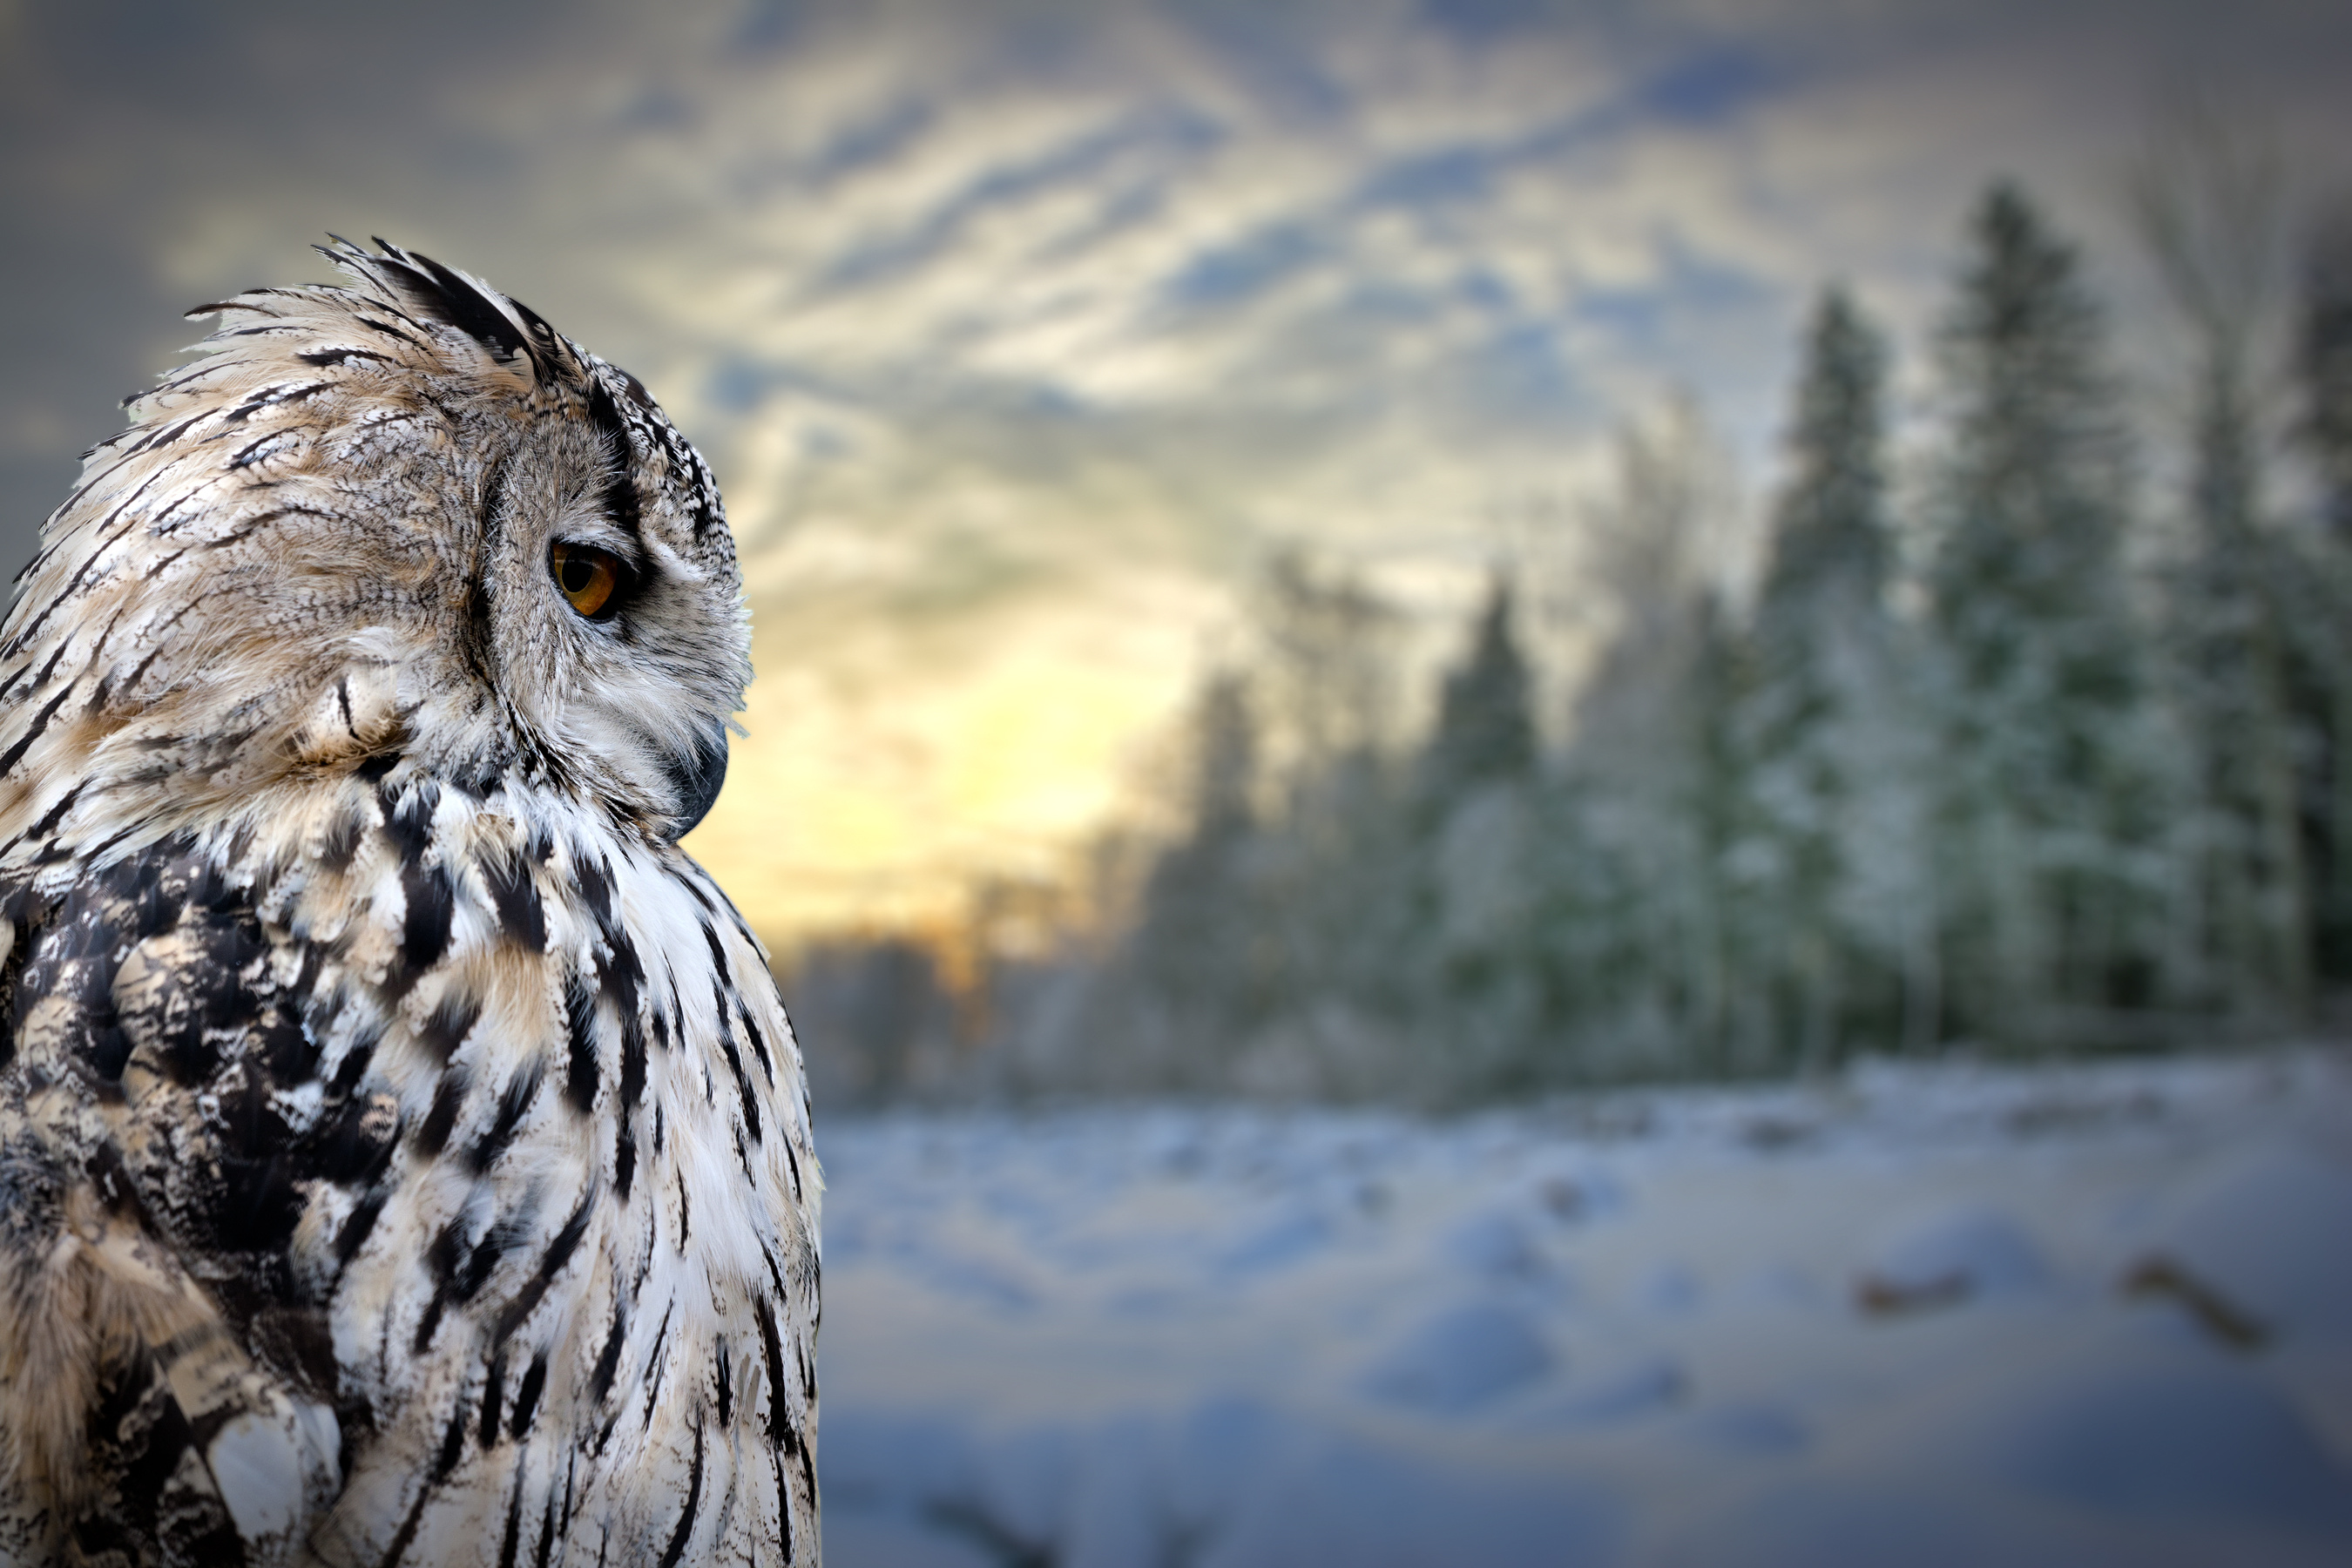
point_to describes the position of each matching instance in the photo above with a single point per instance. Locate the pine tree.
(1193, 951)
(1472, 831)
(1655, 967)
(1486, 720)
(1832, 847)
(2210, 209)
(2051, 788)
(1830, 536)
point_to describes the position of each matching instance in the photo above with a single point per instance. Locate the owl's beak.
(697, 778)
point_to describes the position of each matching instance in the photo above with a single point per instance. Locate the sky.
(1019, 331)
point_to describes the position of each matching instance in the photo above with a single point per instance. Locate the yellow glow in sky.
(876, 801)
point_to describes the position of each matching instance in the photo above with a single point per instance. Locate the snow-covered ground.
(1912, 1316)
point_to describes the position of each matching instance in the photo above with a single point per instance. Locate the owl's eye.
(589, 578)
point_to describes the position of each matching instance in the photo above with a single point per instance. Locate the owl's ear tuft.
(510, 332)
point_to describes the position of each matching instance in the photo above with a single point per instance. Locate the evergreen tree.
(1472, 833)
(2052, 792)
(1656, 968)
(1832, 847)
(2210, 214)
(1486, 720)
(1193, 951)
(1830, 536)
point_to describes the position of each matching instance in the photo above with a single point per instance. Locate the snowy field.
(1916, 1317)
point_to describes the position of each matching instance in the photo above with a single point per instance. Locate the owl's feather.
(404, 1154)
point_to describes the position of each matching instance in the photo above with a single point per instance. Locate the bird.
(405, 1154)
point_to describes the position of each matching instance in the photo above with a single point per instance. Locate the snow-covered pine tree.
(1645, 942)
(1485, 730)
(2210, 204)
(1473, 815)
(1193, 958)
(2050, 783)
(1834, 838)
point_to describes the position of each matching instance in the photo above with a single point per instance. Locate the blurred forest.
(2046, 749)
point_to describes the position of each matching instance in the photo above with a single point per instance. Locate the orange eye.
(589, 577)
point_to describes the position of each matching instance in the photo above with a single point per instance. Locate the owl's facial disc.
(616, 623)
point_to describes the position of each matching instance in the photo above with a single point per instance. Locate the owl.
(403, 1152)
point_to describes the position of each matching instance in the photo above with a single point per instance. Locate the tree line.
(2013, 757)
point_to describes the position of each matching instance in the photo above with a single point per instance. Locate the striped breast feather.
(588, 1276)
(477, 1133)
(612, 1335)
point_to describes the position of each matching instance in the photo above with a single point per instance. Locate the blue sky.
(1017, 331)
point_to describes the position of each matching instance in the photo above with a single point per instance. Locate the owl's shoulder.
(416, 1099)
(152, 1174)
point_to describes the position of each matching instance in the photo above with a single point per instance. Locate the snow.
(1930, 1315)
(2271, 1222)
(1466, 1355)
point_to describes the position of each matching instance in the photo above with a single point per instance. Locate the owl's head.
(402, 524)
